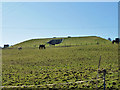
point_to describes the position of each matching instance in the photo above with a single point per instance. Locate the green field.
(61, 66)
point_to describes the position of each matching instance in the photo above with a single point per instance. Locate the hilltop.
(88, 40)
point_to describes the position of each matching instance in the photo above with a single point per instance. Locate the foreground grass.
(55, 65)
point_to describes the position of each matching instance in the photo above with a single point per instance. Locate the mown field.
(61, 66)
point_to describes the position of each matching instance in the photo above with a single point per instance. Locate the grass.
(54, 65)
(73, 41)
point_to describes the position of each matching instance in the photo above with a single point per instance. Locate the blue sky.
(29, 20)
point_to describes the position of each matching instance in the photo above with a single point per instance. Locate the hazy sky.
(29, 20)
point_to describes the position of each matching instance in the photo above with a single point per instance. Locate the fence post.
(104, 72)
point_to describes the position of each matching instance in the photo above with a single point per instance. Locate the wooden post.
(99, 62)
(104, 72)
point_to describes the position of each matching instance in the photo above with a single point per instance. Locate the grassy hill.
(90, 40)
(55, 67)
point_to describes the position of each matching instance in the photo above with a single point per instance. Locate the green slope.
(90, 40)
(40, 68)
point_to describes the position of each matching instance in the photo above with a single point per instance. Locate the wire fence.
(48, 46)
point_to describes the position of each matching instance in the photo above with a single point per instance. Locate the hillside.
(55, 67)
(90, 40)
